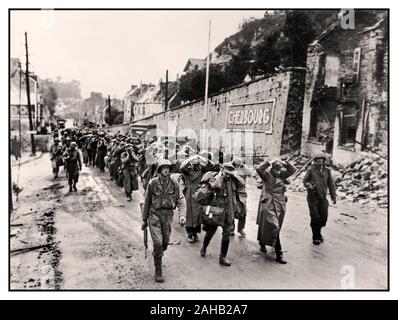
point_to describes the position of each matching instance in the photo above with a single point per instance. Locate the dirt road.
(97, 243)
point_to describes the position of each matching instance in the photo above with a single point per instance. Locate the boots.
(320, 235)
(158, 270)
(316, 234)
(74, 187)
(190, 238)
(278, 251)
(279, 258)
(223, 254)
(224, 261)
(206, 242)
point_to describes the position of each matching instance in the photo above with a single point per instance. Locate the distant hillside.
(265, 46)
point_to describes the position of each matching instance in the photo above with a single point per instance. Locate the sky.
(107, 51)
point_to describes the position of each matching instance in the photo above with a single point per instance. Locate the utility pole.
(32, 138)
(166, 92)
(109, 107)
(206, 90)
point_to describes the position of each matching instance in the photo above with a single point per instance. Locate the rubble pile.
(363, 181)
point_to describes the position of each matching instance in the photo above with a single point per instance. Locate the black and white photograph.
(198, 149)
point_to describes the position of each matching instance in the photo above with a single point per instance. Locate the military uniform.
(243, 171)
(101, 152)
(73, 164)
(192, 171)
(130, 172)
(56, 158)
(317, 181)
(162, 196)
(222, 208)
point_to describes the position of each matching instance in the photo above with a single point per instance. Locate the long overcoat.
(272, 203)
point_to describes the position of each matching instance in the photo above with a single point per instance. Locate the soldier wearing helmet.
(101, 152)
(73, 164)
(318, 180)
(193, 170)
(220, 203)
(162, 196)
(56, 157)
(130, 170)
(243, 171)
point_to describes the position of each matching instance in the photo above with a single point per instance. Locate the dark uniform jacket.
(322, 182)
(223, 205)
(73, 161)
(161, 197)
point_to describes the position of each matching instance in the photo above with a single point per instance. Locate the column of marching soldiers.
(204, 194)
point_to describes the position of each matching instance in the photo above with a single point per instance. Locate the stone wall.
(291, 138)
(315, 59)
(286, 89)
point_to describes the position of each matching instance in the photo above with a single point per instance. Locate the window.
(355, 66)
(348, 120)
(332, 66)
(143, 110)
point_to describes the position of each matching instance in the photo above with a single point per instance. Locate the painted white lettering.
(266, 116)
(250, 117)
(246, 116)
(231, 117)
(255, 117)
(260, 116)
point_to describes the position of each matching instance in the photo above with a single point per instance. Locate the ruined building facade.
(345, 108)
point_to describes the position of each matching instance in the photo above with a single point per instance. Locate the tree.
(299, 33)
(239, 66)
(193, 83)
(267, 58)
(286, 46)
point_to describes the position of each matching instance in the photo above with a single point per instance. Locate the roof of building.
(222, 59)
(201, 63)
(335, 24)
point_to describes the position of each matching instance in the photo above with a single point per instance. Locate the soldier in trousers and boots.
(162, 196)
(56, 157)
(73, 163)
(243, 171)
(224, 204)
(130, 171)
(318, 180)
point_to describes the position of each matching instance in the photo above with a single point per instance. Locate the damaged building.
(268, 108)
(345, 108)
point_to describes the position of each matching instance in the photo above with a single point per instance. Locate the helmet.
(237, 161)
(73, 144)
(228, 167)
(277, 165)
(195, 161)
(162, 163)
(320, 154)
